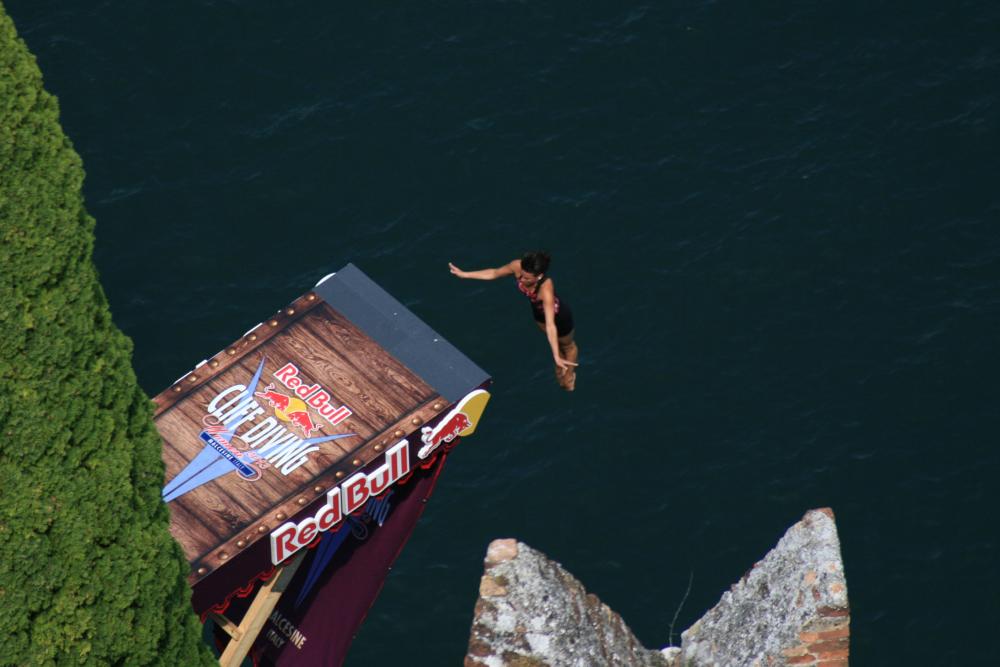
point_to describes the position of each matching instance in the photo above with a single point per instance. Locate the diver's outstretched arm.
(487, 274)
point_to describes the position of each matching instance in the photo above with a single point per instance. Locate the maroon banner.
(339, 579)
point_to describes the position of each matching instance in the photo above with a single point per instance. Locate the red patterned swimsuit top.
(534, 297)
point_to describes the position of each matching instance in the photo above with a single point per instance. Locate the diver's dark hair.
(536, 262)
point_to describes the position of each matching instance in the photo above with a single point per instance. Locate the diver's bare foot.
(566, 378)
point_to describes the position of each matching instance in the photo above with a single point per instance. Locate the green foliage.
(88, 571)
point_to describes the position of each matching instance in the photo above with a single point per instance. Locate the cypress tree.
(89, 573)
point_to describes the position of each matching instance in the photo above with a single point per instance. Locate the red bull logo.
(289, 409)
(460, 421)
(265, 442)
(314, 395)
(446, 431)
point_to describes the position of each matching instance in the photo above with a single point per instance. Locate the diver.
(551, 314)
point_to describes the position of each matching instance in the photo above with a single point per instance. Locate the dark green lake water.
(777, 224)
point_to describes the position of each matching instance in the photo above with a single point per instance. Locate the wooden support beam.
(260, 609)
(227, 626)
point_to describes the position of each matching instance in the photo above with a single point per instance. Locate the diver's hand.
(564, 364)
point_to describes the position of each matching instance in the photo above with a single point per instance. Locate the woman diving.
(551, 313)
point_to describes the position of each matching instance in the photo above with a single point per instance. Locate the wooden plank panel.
(251, 496)
(208, 506)
(371, 359)
(367, 398)
(371, 450)
(249, 342)
(229, 504)
(214, 508)
(182, 423)
(196, 407)
(278, 354)
(205, 517)
(226, 515)
(320, 365)
(194, 536)
(336, 448)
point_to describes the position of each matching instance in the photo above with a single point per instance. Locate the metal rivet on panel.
(340, 474)
(202, 570)
(398, 433)
(290, 311)
(280, 516)
(356, 462)
(223, 556)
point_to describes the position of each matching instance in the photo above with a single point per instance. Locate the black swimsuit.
(563, 315)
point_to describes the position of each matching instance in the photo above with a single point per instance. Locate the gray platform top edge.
(390, 324)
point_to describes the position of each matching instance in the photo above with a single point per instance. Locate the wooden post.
(244, 635)
(227, 626)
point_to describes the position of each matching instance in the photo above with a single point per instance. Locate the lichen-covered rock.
(532, 613)
(672, 655)
(789, 609)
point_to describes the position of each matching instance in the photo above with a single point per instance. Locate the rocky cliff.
(531, 612)
(791, 608)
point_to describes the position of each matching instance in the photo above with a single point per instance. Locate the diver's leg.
(569, 352)
(559, 372)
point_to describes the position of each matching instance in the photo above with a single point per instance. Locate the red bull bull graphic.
(279, 402)
(268, 443)
(446, 431)
(460, 421)
(350, 496)
(289, 408)
(303, 421)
